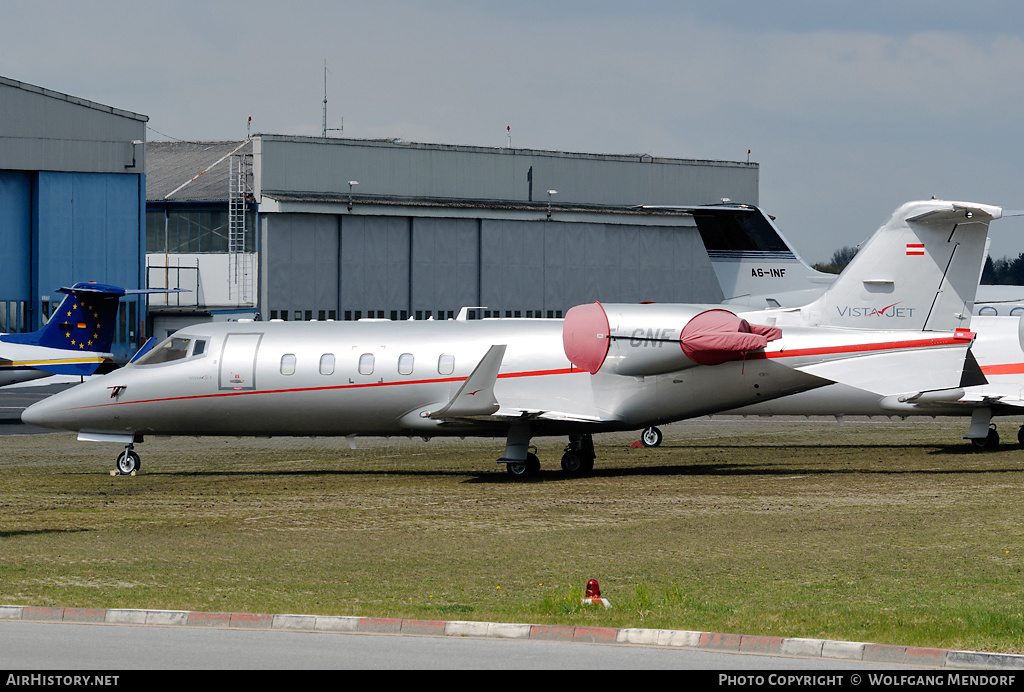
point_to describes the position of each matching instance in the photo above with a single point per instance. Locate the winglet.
(476, 395)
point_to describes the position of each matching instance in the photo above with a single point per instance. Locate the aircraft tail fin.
(84, 322)
(918, 271)
(755, 264)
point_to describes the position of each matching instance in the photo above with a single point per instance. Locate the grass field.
(880, 531)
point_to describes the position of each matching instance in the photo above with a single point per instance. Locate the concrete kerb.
(684, 639)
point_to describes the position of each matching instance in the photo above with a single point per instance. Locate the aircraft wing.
(970, 397)
(532, 414)
(885, 373)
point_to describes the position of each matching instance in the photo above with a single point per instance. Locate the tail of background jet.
(84, 322)
(918, 271)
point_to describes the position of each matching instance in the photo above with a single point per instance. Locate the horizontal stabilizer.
(476, 395)
(896, 372)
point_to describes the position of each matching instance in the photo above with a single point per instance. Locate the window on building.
(194, 230)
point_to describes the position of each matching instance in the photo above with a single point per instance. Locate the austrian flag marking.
(915, 248)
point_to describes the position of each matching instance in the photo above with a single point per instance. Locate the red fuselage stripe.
(1003, 369)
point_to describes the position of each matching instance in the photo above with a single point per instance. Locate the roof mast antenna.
(329, 129)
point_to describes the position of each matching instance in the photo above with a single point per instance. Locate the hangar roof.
(169, 165)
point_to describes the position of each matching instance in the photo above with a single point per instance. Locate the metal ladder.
(240, 193)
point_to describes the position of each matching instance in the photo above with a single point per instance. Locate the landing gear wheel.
(990, 442)
(128, 462)
(524, 469)
(1020, 436)
(579, 455)
(572, 463)
(651, 437)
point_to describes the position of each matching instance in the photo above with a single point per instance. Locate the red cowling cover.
(585, 336)
(718, 336)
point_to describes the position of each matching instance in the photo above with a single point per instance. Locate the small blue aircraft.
(76, 340)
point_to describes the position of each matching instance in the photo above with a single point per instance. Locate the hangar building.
(72, 204)
(306, 228)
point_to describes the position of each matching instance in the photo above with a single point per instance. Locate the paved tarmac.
(47, 638)
(15, 399)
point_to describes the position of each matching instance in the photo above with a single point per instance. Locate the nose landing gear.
(651, 437)
(128, 462)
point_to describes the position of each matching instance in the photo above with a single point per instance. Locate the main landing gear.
(990, 441)
(128, 462)
(521, 460)
(524, 469)
(579, 455)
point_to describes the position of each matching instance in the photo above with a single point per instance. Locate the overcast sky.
(850, 108)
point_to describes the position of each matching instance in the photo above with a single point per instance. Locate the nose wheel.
(651, 437)
(128, 462)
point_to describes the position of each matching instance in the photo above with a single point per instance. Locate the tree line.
(999, 272)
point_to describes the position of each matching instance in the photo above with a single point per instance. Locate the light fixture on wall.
(135, 143)
(351, 184)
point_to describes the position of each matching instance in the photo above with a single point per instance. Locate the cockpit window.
(171, 348)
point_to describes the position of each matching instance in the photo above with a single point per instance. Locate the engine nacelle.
(655, 338)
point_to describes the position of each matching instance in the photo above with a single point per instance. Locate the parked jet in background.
(757, 266)
(76, 340)
(892, 325)
(993, 385)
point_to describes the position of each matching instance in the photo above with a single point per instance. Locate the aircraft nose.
(47, 413)
(37, 414)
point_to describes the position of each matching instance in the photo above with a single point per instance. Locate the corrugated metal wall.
(43, 130)
(397, 267)
(72, 203)
(303, 165)
(420, 249)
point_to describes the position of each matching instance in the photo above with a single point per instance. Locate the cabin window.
(288, 364)
(405, 364)
(366, 364)
(445, 364)
(1017, 311)
(327, 364)
(988, 310)
(170, 349)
